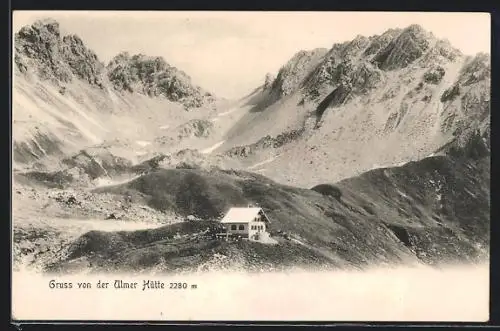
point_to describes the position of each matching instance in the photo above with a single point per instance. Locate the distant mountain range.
(378, 100)
(42, 49)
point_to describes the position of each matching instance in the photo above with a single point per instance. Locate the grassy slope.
(434, 210)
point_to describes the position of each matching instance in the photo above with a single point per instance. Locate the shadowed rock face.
(98, 163)
(195, 128)
(292, 74)
(404, 49)
(379, 43)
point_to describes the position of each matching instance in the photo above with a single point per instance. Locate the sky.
(229, 53)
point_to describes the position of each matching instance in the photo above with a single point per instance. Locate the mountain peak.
(40, 48)
(49, 24)
(405, 48)
(414, 28)
(153, 76)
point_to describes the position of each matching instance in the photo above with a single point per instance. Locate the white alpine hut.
(249, 222)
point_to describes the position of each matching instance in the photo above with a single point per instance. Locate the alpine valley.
(373, 152)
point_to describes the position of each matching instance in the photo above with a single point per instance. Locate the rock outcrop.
(292, 74)
(154, 77)
(268, 81)
(41, 49)
(408, 46)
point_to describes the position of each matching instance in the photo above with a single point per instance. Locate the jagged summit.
(40, 49)
(361, 61)
(416, 28)
(153, 76)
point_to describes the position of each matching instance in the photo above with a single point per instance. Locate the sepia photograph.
(236, 166)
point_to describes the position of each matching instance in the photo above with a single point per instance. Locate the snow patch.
(117, 225)
(101, 182)
(469, 192)
(143, 143)
(271, 159)
(228, 112)
(402, 193)
(39, 147)
(212, 148)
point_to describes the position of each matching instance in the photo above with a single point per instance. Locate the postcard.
(250, 166)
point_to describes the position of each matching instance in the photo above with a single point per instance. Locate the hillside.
(434, 211)
(367, 103)
(66, 99)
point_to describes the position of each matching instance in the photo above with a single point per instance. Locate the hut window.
(233, 227)
(241, 227)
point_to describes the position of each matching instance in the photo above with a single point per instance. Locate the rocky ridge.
(404, 89)
(40, 48)
(154, 77)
